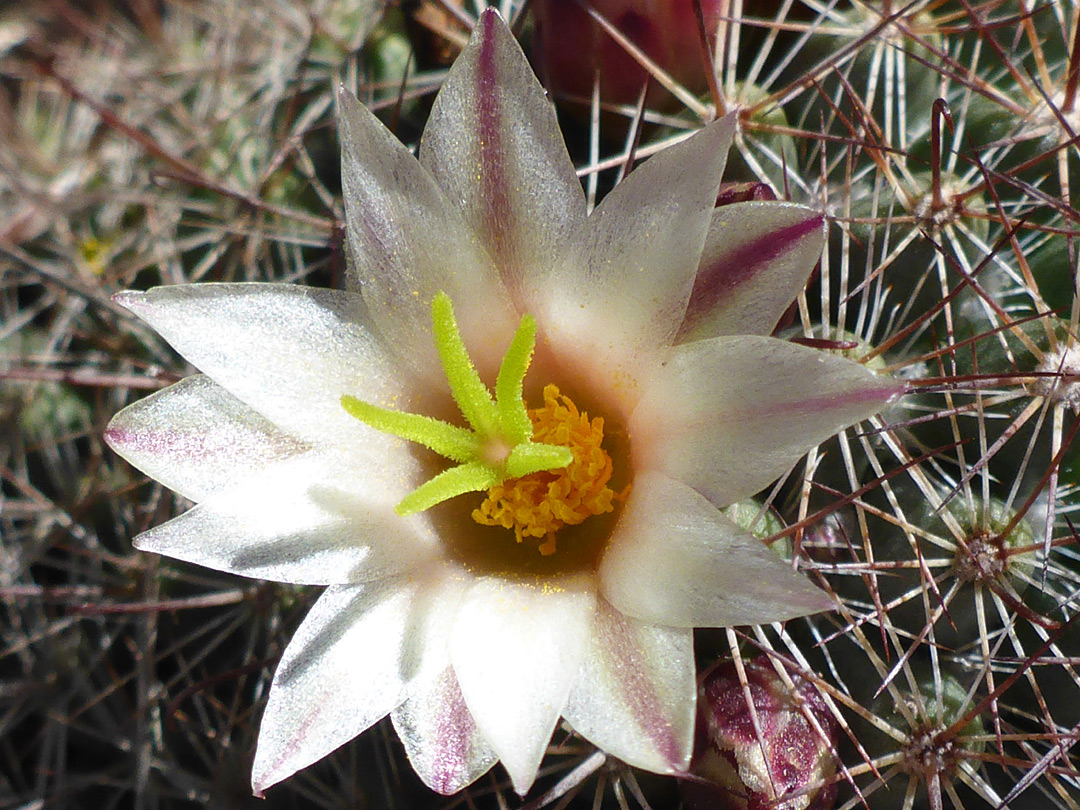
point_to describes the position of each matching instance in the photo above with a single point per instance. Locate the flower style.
(552, 558)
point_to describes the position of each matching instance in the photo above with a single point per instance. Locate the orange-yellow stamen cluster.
(540, 504)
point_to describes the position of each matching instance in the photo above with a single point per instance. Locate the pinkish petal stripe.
(194, 447)
(639, 689)
(454, 738)
(498, 215)
(887, 391)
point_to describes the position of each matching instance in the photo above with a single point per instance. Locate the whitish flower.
(649, 315)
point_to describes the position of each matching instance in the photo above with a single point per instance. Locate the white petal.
(756, 260)
(407, 242)
(342, 672)
(636, 692)
(622, 289)
(675, 560)
(307, 520)
(516, 648)
(493, 144)
(289, 352)
(445, 747)
(197, 439)
(729, 415)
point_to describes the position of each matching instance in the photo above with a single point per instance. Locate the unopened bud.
(571, 48)
(790, 766)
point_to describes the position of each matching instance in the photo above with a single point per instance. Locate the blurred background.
(149, 142)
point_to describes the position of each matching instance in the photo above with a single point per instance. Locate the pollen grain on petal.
(538, 505)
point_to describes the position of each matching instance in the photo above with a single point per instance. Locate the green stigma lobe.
(472, 477)
(468, 389)
(498, 447)
(533, 457)
(508, 386)
(445, 439)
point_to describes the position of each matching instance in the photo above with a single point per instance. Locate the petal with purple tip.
(676, 561)
(756, 260)
(197, 439)
(445, 747)
(342, 672)
(617, 298)
(493, 144)
(407, 242)
(729, 415)
(634, 696)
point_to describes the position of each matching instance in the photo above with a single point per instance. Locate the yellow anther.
(540, 504)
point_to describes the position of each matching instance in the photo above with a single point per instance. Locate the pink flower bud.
(570, 47)
(786, 768)
(731, 193)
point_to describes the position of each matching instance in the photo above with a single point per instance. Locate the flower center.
(542, 468)
(540, 504)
